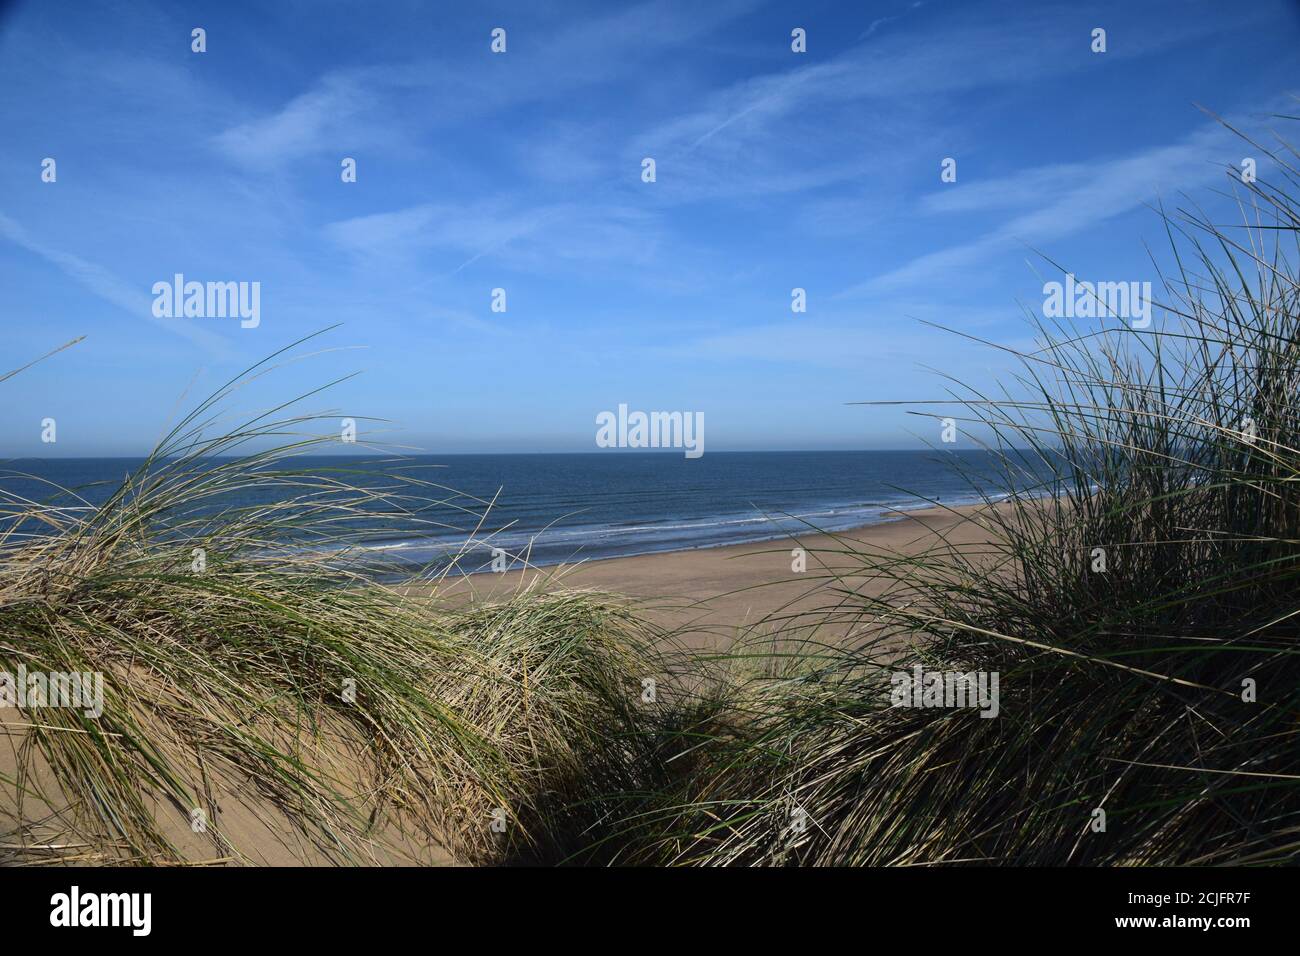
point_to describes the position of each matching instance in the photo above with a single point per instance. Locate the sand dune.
(708, 597)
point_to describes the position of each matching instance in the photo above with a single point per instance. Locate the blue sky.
(522, 171)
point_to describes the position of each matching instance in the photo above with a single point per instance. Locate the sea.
(565, 508)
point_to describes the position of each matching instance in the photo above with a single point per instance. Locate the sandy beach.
(706, 598)
(709, 596)
(639, 436)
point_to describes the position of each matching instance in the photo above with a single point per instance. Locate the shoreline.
(887, 515)
(713, 594)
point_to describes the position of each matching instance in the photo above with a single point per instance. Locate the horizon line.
(672, 452)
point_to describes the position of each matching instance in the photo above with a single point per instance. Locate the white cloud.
(1089, 196)
(871, 107)
(519, 234)
(107, 286)
(384, 101)
(304, 126)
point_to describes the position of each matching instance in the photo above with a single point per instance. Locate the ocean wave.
(557, 544)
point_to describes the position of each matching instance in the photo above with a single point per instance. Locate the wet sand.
(712, 595)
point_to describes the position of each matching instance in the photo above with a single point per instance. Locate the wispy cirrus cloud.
(879, 22)
(1029, 187)
(517, 233)
(817, 123)
(775, 170)
(381, 101)
(339, 109)
(108, 287)
(885, 339)
(1072, 200)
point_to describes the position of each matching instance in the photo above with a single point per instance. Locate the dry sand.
(711, 595)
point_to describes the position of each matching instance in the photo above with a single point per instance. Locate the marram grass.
(1142, 612)
(268, 679)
